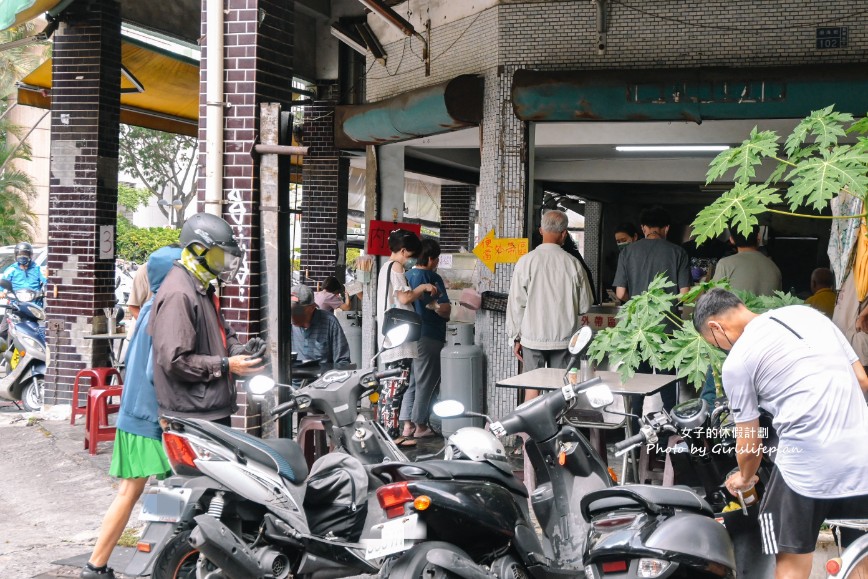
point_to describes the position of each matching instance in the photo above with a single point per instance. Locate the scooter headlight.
(651, 567)
(29, 344)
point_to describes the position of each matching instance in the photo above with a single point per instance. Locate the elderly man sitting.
(316, 335)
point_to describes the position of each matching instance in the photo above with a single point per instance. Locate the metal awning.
(159, 89)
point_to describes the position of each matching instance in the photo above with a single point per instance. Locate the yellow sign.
(492, 250)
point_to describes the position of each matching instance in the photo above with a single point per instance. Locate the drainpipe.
(214, 108)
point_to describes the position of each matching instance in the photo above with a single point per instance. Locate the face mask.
(410, 263)
(23, 261)
(622, 245)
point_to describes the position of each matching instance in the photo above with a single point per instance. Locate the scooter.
(26, 355)
(174, 507)
(652, 531)
(471, 519)
(853, 562)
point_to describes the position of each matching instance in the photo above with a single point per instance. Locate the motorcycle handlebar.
(629, 442)
(391, 373)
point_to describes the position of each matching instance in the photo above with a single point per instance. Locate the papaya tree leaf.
(745, 157)
(693, 293)
(817, 180)
(825, 125)
(738, 208)
(859, 127)
(690, 355)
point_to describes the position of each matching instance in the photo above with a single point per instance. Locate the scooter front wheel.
(414, 563)
(31, 395)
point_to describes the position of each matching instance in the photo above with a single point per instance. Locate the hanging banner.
(378, 235)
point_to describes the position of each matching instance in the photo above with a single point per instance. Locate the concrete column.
(502, 200)
(593, 240)
(258, 51)
(85, 112)
(325, 177)
(457, 213)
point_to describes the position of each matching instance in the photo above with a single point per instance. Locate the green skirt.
(137, 456)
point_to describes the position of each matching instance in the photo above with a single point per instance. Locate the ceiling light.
(671, 148)
(349, 38)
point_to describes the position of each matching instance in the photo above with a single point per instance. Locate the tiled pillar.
(457, 213)
(85, 112)
(502, 200)
(325, 177)
(257, 59)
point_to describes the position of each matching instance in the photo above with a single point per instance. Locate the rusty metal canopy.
(447, 106)
(159, 90)
(689, 94)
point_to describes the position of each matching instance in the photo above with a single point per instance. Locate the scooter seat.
(635, 496)
(465, 469)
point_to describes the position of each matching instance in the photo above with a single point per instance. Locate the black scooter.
(471, 519)
(670, 532)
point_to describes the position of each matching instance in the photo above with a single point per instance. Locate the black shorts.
(790, 522)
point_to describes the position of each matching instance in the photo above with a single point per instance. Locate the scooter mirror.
(448, 408)
(599, 396)
(6, 284)
(259, 386)
(580, 340)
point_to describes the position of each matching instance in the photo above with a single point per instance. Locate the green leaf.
(817, 180)
(860, 126)
(737, 207)
(745, 157)
(690, 355)
(693, 293)
(825, 125)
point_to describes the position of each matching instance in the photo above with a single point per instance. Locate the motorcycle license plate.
(164, 507)
(394, 536)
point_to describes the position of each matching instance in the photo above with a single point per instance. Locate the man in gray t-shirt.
(749, 269)
(639, 264)
(795, 364)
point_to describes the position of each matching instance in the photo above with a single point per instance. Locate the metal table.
(116, 346)
(553, 379)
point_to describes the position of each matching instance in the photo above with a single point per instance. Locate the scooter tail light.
(392, 498)
(612, 523)
(833, 566)
(614, 567)
(651, 568)
(179, 451)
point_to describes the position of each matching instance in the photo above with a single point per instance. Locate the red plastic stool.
(98, 378)
(96, 424)
(311, 437)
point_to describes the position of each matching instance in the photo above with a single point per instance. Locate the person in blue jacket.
(138, 450)
(24, 273)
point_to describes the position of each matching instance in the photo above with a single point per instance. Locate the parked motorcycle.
(470, 518)
(652, 531)
(852, 563)
(248, 505)
(25, 352)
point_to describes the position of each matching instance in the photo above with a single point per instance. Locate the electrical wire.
(736, 28)
(447, 49)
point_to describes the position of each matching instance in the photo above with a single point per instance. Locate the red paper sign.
(378, 235)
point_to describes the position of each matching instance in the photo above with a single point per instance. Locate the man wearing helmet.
(24, 274)
(194, 349)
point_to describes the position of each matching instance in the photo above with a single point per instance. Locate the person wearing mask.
(393, 291)
(329, 298)
(138, 452)
(794, 363)
(639, 263)
(748, 270)
(24, 274)
(316, 335)
(434, 311)
(823, 293)
(625, 234)
(196, 353)
(543, 277)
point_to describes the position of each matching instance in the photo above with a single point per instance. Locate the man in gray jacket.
(195, 351)
(548, 294)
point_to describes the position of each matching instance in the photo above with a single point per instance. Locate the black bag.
(336, 497)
